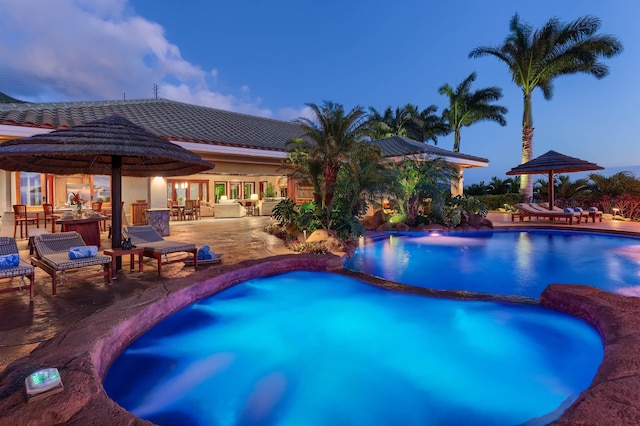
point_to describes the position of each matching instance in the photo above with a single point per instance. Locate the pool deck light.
(43, 383)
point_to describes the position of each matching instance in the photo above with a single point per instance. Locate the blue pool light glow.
(316, 348)
(504, 262)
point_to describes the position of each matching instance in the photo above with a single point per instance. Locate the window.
(234, 190)
(249, 188)
(30, 189)
(221, 189)
(102, 188)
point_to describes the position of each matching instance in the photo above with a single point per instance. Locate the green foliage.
(285, 212)
(314, 248)
(495, 202)
(467, 108)
(269, 191)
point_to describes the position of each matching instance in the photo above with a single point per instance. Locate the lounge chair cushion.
(577, 209)
(61, 261)
(568, 210)
(593, 209)
(9, 261)
(165, 247)
(82, 252)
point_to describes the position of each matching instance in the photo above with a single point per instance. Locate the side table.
(115, 253)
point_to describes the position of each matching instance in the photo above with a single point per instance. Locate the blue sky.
(270, 58)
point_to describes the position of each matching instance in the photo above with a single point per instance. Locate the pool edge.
(84, 353)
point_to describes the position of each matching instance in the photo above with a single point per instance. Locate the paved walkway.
(23, 326)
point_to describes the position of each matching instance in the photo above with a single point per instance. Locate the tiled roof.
(397, 146)
(173, 120)
(178, 121)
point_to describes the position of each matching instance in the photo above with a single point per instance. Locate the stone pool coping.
(84, 353)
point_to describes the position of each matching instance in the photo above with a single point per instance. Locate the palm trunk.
(456, 140)
(526, 183)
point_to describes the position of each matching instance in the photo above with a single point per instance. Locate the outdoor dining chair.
(21, 218)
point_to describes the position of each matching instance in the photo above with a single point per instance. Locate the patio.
(242, 242)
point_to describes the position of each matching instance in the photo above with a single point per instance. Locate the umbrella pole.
(551, 188)
(116, 207)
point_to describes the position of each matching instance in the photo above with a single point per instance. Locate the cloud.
(79, 50)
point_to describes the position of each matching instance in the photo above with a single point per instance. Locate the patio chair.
(8, 246)
(23, 219)
(47, 209)
(153, 245)
(52, 256)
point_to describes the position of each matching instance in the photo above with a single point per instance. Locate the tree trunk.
(526, 181)
(456, 140)
(330, 178)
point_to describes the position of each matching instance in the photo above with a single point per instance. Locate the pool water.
(504, 262)
(311, 348)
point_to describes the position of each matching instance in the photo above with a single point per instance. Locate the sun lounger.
(594, 214)
(53, 255)
(9, 249)
(531, 210)
(153, 245)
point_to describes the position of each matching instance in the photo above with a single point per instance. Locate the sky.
(271, 58)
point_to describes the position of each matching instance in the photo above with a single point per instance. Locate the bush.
(495, 202)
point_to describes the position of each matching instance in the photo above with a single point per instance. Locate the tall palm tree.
(535, 59)
(329, 139)
(467, 108)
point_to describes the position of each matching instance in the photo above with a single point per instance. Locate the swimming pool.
(504, 262)
(317, 348)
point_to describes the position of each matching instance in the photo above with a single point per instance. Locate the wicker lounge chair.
(9, 246)
(147, 238)
(533, 210)
(52, 256)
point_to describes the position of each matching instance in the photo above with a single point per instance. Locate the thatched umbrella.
(111, 145)
(550, 163)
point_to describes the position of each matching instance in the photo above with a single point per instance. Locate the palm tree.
(329, 140)
(467, 108)
(426, 125)
(614, 185)
(535, 59)
(390, 123)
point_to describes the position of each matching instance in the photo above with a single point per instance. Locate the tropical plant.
(269, 191)
(390, 123)
(476, 189)
(418, 181)
(329, 139)
(614, 185)
(467, 108)
(285, 212)
(535, 59)
(408, 121)
(426, 125)
(501, 186)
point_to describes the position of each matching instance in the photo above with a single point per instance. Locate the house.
(246, 150)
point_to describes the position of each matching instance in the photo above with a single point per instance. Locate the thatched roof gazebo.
(110, 146)
(551, 163)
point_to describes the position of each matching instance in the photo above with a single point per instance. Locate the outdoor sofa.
(225, 209)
